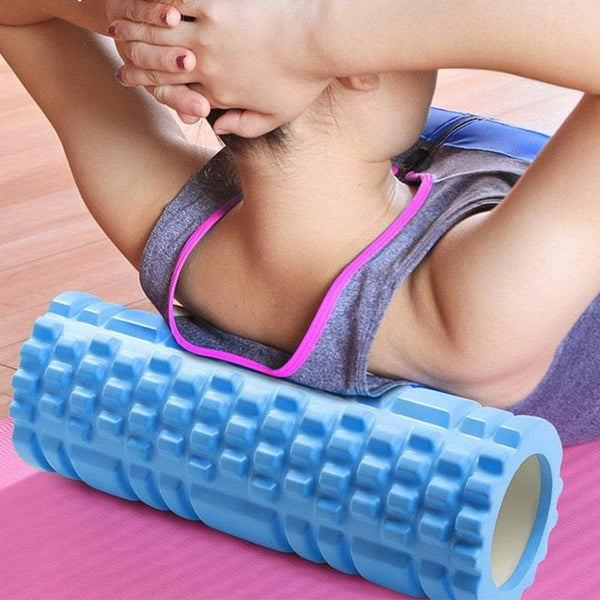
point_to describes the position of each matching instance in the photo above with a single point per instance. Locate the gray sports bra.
(334, 352)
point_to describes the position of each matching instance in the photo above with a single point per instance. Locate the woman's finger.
(187, 7)
(245, 123)
(183, 100)
(128, 31)
(130, 76)
(159, 58)
(188, 119)
(214, 102)
(152, 13)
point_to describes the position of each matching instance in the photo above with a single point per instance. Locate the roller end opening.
(521, 522)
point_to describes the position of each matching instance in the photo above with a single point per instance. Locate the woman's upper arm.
(22, 13)
(127, 153)
(511, 283)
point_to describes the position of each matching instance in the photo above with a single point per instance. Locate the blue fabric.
(485, 134)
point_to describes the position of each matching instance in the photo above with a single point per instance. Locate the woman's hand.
(258, 58)
(95, 15)
(142, 11)
(164, 59)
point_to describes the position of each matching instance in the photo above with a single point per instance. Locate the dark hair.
(219, 178)
(274, 141)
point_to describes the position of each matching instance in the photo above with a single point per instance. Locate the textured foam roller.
(423, 492)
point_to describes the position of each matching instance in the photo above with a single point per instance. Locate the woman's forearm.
(88, 14)
(555, 41)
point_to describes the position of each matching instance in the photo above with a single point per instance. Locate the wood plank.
(505, 97)
(9, 355)
(28, 174)
(29, 249)
(37, 282)
(17, 328)
(143, 304)
(549, 113)
(51, 211)
(5, 389)
(122, 290)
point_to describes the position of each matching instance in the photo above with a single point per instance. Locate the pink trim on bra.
(319, 322)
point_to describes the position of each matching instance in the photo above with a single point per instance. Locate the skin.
(512, 264)
(97, 15)
(232, 39)
(483, 344)
(147, 158)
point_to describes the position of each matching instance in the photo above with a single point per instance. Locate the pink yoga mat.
(60, 539)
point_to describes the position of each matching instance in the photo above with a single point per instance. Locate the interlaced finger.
(130, 76)
(128, 31)
(159, 58)
(152, 13)
(183, 100)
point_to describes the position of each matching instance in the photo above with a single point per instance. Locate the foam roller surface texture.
(404, 490)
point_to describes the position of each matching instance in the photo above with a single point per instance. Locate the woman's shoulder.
(415, 342)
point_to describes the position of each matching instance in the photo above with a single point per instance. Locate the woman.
(266, 286)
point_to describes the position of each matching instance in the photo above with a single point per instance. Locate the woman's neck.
(325, 206)
(284, 244)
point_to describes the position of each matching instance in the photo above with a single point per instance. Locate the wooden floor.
(49, 243)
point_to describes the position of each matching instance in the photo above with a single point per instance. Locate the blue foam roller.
(420, 491)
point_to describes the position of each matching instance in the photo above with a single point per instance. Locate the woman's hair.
(278, 141)
(274, 141)
(219, 178)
